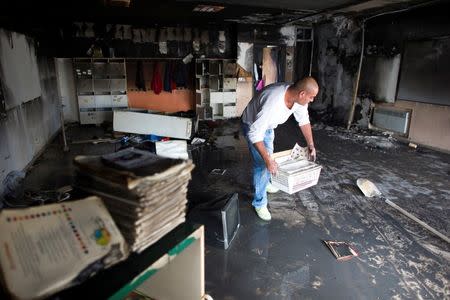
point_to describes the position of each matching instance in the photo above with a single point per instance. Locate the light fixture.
(121, 3)
(208, 8)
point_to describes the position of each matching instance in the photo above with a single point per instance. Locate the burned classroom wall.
(67, 89)
(388, 33)
(423, 76)
(122, 40)
(379, 76)
(387, 38)
(19, 68)
(266, 34)
(335, 62)
(32, 116)
(2, 102)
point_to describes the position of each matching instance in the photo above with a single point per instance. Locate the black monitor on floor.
(221, 218)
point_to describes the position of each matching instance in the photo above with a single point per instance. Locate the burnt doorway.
(269, 65)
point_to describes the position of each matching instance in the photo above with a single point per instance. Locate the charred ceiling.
(145, 12)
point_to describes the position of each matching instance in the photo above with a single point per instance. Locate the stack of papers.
(147, 200)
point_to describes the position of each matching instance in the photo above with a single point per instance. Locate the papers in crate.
(295, 171)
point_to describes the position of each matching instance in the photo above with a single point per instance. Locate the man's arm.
(307, 133)
(271, 165)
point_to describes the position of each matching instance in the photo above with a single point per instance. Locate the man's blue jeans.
(261, 175)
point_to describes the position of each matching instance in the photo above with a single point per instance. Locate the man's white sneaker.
(271, 189)
(263, 213)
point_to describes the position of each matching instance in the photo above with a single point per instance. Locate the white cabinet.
(202, 97)
(103, 101)
(229, 97)
(86, 102)
(216, 82)
(88, 117)
(216, 97)
(84, 86)
(119, 101)
(229, 83)
(103, 115)
(118, 85)
(229, 111)
(101, 87)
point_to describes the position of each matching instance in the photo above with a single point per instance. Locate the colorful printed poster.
(48, 248)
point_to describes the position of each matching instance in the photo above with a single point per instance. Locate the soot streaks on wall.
(2, 101)
(387, 34)
(386, 39)
(336, 58)
(267, 34)
(18, 68)
(29, 126)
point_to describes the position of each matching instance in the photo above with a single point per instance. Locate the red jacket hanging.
(156, 84)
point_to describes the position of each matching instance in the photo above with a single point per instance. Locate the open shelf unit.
(101, 87)
(215, 83)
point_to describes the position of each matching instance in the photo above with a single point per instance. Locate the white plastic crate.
(294, 174)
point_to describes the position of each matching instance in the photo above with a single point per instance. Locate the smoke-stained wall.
(423, 33)
(29, 123)
(335, 63)
(386, 39)
(19, 68)
(379, 77)
(266, 34)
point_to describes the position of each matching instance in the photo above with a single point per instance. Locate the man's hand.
(311, 153)
(307, 133)
(272, 166)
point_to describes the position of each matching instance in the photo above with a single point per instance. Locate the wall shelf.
(216, 82)
(101, 87)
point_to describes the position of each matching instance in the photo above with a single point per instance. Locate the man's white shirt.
(267, 110)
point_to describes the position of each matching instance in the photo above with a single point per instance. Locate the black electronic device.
(221, 218)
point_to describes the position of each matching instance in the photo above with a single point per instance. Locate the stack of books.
(145, 193)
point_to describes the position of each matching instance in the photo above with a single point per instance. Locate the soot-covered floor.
(286, 258)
